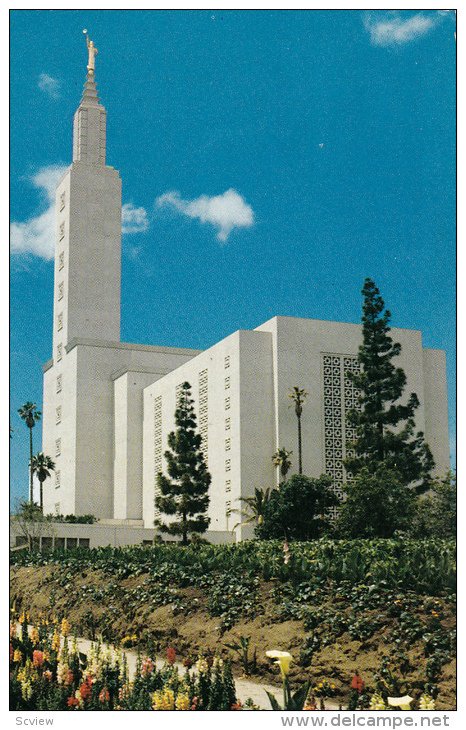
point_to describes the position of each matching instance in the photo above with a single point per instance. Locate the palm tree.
(30, 415)
(281, 459)
(298, 396)
(42, 465)
(255, 506)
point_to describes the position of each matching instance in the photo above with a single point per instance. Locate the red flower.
(237, 706)
(72, 702)
(69, 677)
(171, 655)
(85, 690)
(357, 682)
(37, 658)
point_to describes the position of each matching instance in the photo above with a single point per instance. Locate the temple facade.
(109, 405)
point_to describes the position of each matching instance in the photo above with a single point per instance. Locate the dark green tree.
(42, 465)
(298, 396)
(253, 510)
(30, 415)
(377, 504)
(281, 459)
(435, 514)
(385, 428)
(298, 510)
(183, 494)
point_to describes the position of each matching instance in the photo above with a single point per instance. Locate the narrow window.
(61, 288)
(227, 383)
(59, 383)
(58, 414)
(227, 464)
(227, 361)
(227, 444)
(62, 200)
(61, 260)
(58, 447)
(59, 351)
(60, 321)
(227, 404)
(61, 231)
(57, 480)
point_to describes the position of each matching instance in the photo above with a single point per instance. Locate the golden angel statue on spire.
(92, 53)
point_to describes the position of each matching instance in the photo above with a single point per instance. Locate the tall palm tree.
(298, 396)
(30, 415)
(254, 507)
(281, 459)
(42, 465)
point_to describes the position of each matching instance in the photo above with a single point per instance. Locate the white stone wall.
(240, 423)
(87, 424)
(298, 349)
(128, 419)
(436, 408)
(87, 255)
(99, 535)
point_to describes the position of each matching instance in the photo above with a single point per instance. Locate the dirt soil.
(196, 631)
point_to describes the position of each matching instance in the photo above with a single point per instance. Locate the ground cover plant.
(336, 605)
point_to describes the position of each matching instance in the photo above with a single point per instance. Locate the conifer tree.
(385, 427)
(184, 492)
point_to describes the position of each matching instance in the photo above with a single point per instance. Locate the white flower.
(403, 702)
(283, 658)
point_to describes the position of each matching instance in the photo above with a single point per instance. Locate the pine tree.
(385, 428)
(184, 492)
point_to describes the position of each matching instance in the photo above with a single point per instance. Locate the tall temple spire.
(90, 119)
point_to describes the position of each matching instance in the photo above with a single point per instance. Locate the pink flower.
(147, 667)
(37, 658)
(104, 695)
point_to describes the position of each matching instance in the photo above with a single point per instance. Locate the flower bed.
(47, 672)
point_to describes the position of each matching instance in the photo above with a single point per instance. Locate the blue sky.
(271, 160)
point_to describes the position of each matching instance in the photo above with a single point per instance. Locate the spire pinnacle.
(89, 141)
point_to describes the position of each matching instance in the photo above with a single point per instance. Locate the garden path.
(245, 686)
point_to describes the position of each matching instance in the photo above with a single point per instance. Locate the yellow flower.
(17, 656)
(34, 636)
(202, 666)
(65, 627)
(55, 642)
(377, 703)
(26, 689)
(426, 702)
(163, 700)
(403, 703)
(283, 658)
(182, 702)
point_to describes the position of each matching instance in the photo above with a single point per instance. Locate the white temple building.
(108, 405)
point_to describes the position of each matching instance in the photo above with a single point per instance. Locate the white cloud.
(37, 235)
(49, 85)
(225, 212)
(133, 220)
(389, 29)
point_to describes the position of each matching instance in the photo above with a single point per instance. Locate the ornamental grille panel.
(203, 381)
(339, 397)
(158, 451)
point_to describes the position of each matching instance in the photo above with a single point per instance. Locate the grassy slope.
(330, 629)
